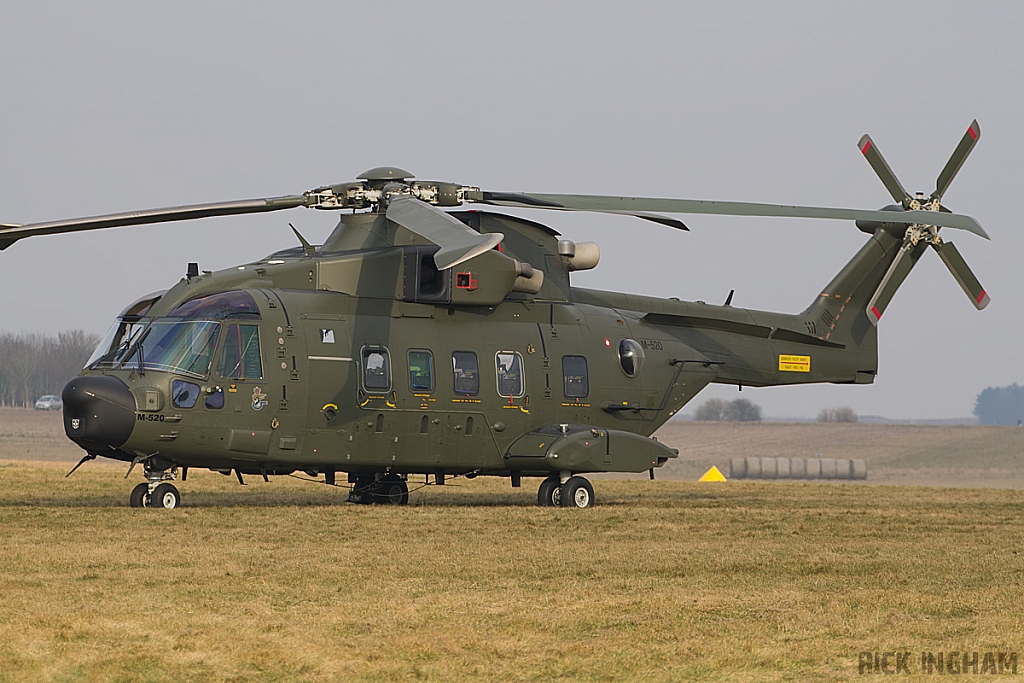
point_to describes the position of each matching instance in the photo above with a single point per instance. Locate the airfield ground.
(666, 580)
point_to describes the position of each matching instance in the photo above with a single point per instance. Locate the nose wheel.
(574, 492)
(157, 492)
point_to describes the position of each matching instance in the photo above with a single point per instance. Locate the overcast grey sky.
(113, 106)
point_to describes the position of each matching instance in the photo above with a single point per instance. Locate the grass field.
(663, 581)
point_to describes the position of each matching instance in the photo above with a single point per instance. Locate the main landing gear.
(156, 492)
(563, 490)
(383, 489)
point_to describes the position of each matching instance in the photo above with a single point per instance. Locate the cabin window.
(376, 368)
(466, 373)
(510, 374)
(240, 358)
(574, 376)
(631, 357)
(421, 371)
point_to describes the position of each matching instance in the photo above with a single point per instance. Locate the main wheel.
(165, 496)
(392, 492)
(137, 499)
(549, 495)
(577, 493)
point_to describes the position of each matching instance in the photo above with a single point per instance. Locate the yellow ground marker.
(712, 475)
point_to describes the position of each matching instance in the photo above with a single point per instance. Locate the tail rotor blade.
(962, 273)
(967, 143)
(905, 260)
(870, 151)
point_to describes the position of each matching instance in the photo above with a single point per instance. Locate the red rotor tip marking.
(974, 135)
(866, 147)
(980, 296)
(878, 316)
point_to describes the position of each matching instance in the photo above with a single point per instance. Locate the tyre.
(165, 496)
(392, 492)
(548, 494)
(577, 493)
(137, 499)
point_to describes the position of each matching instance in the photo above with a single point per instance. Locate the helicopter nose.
(99, 412)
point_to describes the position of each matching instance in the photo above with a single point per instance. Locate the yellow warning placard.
(794, 363)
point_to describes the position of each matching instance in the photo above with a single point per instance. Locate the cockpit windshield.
(123, 333)
(117, 342)
(185, 347)
(235, 304)
(178, 343)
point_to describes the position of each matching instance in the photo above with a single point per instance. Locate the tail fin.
(841, 308)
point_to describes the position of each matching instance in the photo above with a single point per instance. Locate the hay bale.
(753, 468)
(797, 468)
(782, 468)
(828, 468)
(844, 469)
(768, 468)
(813, 468)
(859, 469)
(737, 468)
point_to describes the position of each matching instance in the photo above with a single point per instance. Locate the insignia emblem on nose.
(75, 423)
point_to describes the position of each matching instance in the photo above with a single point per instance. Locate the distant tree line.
(33, 365)
(717, 410)
(1000, 405)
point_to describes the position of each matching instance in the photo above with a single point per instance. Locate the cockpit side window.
(240, 357)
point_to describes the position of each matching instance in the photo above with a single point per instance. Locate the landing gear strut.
(156, 492)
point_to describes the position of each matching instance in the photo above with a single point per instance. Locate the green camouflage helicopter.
(416, 341)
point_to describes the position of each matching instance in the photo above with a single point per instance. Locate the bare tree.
(840, 414)
(712, 410)
(717, 410)
(32, 365)
(742, 410)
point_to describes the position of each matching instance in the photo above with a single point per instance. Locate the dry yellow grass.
(664, 580)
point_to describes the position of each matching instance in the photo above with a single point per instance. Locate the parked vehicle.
(49, 403)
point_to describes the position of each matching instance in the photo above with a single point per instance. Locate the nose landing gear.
(563, 490)
(156, 492)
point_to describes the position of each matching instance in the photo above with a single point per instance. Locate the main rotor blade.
(967, 143)
(962, 273)
(458, 243)
(635, 205)
(870, 151)
(905, 260)
(517, 199)
(9, 234)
